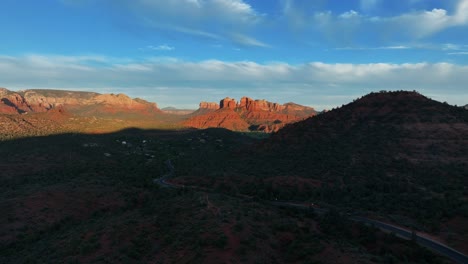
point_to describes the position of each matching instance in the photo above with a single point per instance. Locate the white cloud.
(221, 11)
(303, 83)
(458, 53)
(408, 26)
(248, 41)
(461, 14)
(421, 24)
(421, 46)
(398, 47)
(208, 19)
(163, 47)
(349, 14)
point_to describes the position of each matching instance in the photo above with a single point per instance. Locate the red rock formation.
(121, 102)
(225, 118)
(259, 115)
(12, 103)
(209, 105)
(249, 104)
(228, 103)
(45, 100)
(245, 103)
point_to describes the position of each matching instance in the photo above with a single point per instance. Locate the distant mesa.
(176, 111)
(37, 101)
(248, 115)
(209, 105)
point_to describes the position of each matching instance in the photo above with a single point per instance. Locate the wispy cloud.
(248, 41)
(458, 53)
(303, 81)
(367, 5)
(398, 47)
(220, 20)
(163, 47)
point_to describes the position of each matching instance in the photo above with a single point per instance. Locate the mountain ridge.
(43, 100)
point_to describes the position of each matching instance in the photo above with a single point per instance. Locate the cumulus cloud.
(353, 24)
(308, 83)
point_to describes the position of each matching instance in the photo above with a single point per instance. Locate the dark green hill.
(394, 152)
(77, 198)
(399, 155)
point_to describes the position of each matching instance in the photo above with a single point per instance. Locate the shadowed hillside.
(91, 199)
(398, 155)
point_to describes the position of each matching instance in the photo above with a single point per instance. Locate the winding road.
(162, 180)
(440, 248)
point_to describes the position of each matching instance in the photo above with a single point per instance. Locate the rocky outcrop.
(257, 115)
(121, 102)
(13, 103)
(228, 103)
(249, 104)
(209, 105)
(46, 100)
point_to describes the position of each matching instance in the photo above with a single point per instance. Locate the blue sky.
(321, 53)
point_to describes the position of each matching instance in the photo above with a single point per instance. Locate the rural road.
(399, 231)
(442, 249)
(162, 180)
(423, 241)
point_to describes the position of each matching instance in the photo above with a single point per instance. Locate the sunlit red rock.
(257, 115)
(209, 105)
(37, 101)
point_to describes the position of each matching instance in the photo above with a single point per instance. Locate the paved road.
(423, 241)
(401, 232)
(162, 180)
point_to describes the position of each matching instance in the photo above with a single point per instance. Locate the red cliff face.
(263, 105)
(257, 115)
(228, 103)
(245, 103)
(12, 103)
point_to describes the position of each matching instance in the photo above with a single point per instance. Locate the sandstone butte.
(35, 101)
(248, 115)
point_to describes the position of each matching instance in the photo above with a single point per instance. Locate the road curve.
(162, 180)
(401, 232)
(423, 241)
